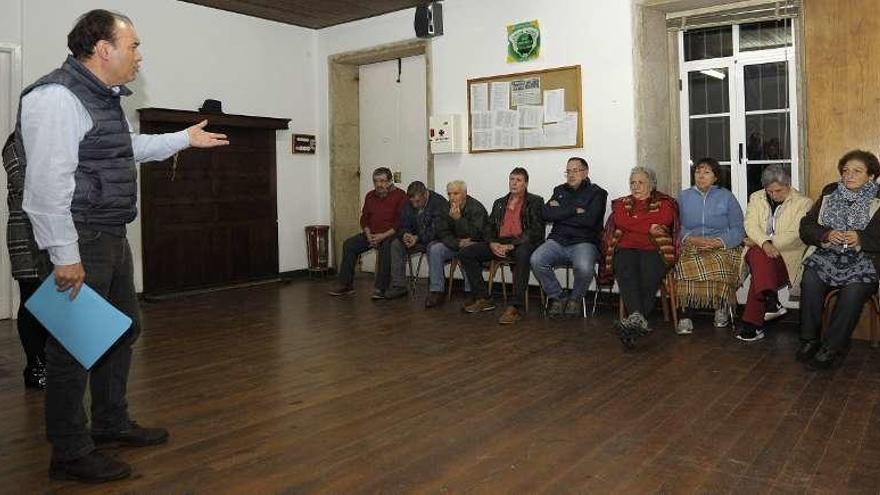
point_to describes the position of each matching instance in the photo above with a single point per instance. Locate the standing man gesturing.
(80, 191)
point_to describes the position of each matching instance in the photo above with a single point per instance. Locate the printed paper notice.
(525, 92)
(481, 140)
(530, 116)
(506, 119)
(506, 139)
(479, 97)
(554, 105)
(531, 138)
(562, 133)
(481, 121)
(500, 96)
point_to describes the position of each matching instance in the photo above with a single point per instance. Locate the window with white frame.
(738, 103)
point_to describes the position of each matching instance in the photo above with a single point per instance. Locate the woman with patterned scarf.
(842, 231)
(707, 272)
(639, 246)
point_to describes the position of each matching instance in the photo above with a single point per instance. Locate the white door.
(10, 87)
(393, 124)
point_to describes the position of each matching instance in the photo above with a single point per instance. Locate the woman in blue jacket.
(707, 272)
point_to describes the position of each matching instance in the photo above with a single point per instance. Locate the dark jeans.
(353, 247)
(108, 266)
(31, 332)
(844, 318)
(473, 257)
(639, 274)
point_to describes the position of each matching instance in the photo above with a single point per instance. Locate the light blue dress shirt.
(53, 122)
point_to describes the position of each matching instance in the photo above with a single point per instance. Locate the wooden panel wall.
(842, 72)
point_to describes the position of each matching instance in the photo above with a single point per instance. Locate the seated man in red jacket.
(380, 220)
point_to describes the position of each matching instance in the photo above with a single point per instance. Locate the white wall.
(254, 66)
(595, 34)
(10, 21)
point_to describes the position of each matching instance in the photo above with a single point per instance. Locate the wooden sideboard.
(209, 217)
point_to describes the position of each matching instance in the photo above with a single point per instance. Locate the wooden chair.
(499, 264)
(831, 300)
(667, 300)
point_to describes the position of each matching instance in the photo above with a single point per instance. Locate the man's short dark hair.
(581, 160)
(866, 157)
(92, 27)
(416, 188)
(384, 171)
(520, 171)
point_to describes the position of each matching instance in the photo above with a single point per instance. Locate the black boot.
(807, 350)
(94, 467)
(35, 376)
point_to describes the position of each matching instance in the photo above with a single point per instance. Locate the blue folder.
(86, 326)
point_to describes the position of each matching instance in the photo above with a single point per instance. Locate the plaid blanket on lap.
(706, 279)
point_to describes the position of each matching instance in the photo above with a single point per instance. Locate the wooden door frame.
(345, 200)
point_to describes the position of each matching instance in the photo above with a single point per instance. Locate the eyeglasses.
(573, 172)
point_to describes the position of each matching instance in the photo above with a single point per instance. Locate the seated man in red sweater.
(379, 220)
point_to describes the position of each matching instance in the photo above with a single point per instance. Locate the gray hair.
(777, 173)
(647, 172)
(459, 185)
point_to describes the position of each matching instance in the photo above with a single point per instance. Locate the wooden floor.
(282, 389)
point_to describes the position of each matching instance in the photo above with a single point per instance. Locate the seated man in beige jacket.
(773, 247)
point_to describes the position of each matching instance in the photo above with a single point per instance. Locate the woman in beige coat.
(773, 248)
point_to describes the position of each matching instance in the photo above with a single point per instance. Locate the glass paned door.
(767, 118)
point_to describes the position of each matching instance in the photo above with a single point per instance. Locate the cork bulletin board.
(526, 111)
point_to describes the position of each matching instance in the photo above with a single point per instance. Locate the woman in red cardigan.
(639, 247)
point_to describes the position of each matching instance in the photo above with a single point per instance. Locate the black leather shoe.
(94, 467)
(135, 436)
(35, 377)
(825, 359)
(396, 293)
(434, 299)
(807, 350)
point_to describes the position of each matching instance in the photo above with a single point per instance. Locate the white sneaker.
(772, 315)
(685, 327)
(721, 317)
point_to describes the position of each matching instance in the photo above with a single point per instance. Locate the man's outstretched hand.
(199, 138)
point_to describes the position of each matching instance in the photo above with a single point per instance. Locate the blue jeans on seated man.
(581, 256)
(438, 255)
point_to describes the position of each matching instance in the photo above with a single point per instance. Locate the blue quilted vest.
(105, 197)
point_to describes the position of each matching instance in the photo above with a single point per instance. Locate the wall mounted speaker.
(429, 20)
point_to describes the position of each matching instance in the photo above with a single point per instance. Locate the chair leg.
(664, 303)
(453, 264)
(410, 279)
(595, 292)
(418, 271)
(493, 268)
(673, 299)
(503, 286)
(875, 339)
